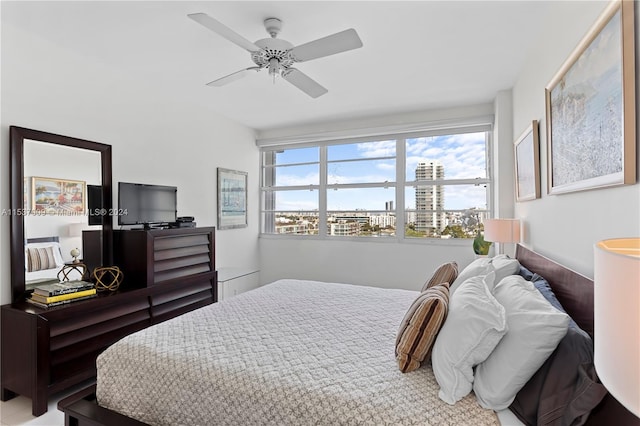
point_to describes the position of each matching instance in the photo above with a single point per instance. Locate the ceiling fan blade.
(304, 82)
(329, 45)
(232, 77)
(221, 29)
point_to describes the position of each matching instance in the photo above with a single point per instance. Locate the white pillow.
(57, 253)
(502, 264)
(474, 326)
(534, 330)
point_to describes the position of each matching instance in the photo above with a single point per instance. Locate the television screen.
(144, 204)
(94, 204)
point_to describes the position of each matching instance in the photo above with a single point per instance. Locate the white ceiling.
(417, 55)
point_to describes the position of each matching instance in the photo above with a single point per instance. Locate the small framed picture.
(527, 161)
(58, 196)
(232, 199)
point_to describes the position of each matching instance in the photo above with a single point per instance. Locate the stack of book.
(48, 295)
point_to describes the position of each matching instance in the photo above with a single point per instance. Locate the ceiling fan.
(279, 55)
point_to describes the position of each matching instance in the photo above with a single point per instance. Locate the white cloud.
(283, 179)
(463, 156)
(377, 149)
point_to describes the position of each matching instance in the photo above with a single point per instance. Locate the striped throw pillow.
(39, 259)
(445, 273)
(420, 326)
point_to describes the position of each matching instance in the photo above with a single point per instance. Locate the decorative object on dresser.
(107, 278)
(67, 271)
(75, 253)
(232, 199)
(527, 161)
(591, 108)
(50, 295)
(51, 301)
(617, 318)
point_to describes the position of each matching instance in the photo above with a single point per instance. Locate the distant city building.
(429, 197)
(295, 228)
(383, 220)
(349, 217)
(388, 206)
(344, 228)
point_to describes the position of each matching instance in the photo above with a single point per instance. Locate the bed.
(43, 260)
(294, 352)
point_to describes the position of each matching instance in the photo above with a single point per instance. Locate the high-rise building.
(430, 198)
(388, 206)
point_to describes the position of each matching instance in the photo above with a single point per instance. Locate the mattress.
(289, 353)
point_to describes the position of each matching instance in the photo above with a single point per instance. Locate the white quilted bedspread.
(289, 353)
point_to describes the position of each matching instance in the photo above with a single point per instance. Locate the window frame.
(399, 185)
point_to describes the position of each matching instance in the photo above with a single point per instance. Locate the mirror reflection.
(57, 180)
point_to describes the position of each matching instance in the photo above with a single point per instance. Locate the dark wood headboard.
(575, 293)
(44, 240)
(573, 290)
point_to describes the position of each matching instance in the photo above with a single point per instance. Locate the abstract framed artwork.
(232, 199)
(59, 197)
(527, 161)
(590, 108)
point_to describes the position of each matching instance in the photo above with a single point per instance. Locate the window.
(446, 178)
(426, 185)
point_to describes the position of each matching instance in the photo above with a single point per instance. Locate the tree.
(456, 231)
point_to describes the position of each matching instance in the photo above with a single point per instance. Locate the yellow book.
(68, 296)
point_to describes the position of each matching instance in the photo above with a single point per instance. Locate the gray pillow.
(534, 330)
(566, 388)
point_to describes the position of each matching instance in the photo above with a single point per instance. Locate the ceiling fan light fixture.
(274, 66)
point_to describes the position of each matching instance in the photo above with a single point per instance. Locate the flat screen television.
(142, 204)
(94, 204)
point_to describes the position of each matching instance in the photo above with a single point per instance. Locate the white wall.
(378, 264)
(368, 261)
(155, 138)
(565, 227)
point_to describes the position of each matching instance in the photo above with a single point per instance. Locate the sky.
(463, 157)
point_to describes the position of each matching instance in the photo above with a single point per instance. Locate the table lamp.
(75, 229)
(502, 231)
(617, 319)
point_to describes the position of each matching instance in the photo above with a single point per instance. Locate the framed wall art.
(59, 197)
(527, 160)
(232, 199)
(590, 108)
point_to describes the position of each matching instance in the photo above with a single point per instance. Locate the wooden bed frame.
(55, 239)
(574, 291)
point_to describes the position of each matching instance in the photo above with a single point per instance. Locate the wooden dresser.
(166, 273)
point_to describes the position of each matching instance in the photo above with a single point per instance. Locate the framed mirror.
(49, 178)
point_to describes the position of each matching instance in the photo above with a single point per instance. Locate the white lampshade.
(75, 229)
(617, 319)
(502, 230)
